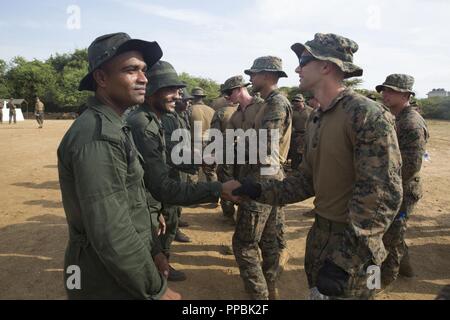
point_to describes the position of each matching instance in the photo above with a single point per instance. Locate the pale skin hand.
(227, 189)
(162, 264)
(171, 295)
(162, 225)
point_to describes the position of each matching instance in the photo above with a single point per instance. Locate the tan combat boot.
(284, 258)
(273, 291)
(405, 267)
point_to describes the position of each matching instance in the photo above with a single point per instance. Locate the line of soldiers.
(122, 192)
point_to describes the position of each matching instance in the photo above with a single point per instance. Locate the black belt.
(328, 225)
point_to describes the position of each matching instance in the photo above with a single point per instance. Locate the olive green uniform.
(104, 198)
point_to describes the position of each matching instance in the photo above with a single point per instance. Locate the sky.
(220, 39)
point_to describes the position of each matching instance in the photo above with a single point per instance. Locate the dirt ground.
(33, 230)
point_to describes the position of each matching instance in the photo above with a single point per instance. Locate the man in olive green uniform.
(39, 112)
(12, 111)
(110, 234)
(352, 165)
(148, 133)
(299, 118)
(412, 133)
(224, 111)
(1, 111)
(202, 115)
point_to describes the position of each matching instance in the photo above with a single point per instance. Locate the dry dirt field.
(33, 231)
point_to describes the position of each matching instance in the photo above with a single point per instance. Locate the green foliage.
(353, 83)
(211, 88)
(30, 79)
(435, 108)
(4, 90)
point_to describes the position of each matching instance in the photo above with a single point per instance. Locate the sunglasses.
(304, 60)
(229, 92)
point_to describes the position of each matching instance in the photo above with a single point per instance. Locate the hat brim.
(349, 69)
(244, 85)
(281, 74)
(151, 52)
(382, 86)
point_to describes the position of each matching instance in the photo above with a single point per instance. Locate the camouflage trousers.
(323, 239)
(40, 118)
(256, 228)
(223, 175)
(394, 241)
(171, 215)
(12, 116)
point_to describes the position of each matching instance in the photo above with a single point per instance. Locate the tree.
(4, 90)
(211, 88)
(28, 79)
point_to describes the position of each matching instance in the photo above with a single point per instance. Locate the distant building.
(438, 93)
(19, 103)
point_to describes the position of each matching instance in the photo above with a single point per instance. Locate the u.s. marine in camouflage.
(352, 165)
(261, 226)
(412, 133)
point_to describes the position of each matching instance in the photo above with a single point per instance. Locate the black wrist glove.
(248, 188)
(332, 280)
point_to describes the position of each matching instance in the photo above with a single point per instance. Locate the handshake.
(238, 191)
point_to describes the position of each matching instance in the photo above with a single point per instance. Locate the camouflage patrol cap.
(398, 82)
(198, 92)
(108, 46)
(334, 48)
(298, 97)
(162, 75)
(234, 82)
(267, 64)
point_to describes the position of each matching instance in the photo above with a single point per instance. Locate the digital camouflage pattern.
(300, 117)
(220, 122)
(352, 165)
(105, 202)
(412, 135)
(234, 82)
(334, 48)
(399, 83)
(267, 64)
(259, 225)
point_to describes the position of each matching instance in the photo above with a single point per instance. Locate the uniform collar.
(107, 111)
(336, 100)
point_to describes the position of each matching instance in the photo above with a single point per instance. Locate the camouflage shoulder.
(367, 116)
(411, 120)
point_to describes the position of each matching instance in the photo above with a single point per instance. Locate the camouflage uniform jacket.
(222, 117)
(275, 114)
(352, 165)
(39, 107)
(299, 119)
(105, 202)
(412, 135)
